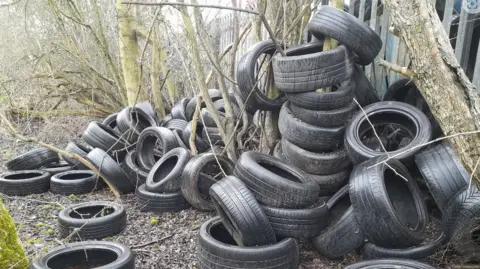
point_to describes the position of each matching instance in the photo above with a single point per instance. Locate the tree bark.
(155, 77)
(128, 48)
(451, 97)
(12, 254)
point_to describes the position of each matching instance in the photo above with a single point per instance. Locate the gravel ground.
(167, 240)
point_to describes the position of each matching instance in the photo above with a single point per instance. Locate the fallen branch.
(152, 242)
(63, 153)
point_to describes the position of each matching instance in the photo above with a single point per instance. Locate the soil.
(165, 240)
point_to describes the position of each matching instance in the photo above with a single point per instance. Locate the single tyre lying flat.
(91, 220)
(32, 159)
(75, 182)
(159, 202)
(390, 264)
(89, 254)
(217, 249)
(24, 182)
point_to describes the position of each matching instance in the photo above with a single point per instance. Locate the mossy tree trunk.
(155, 76)
(12, 255)
(128, 48)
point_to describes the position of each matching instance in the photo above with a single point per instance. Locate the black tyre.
(325, 163)
(176, 124)
(394, 122)
(207, 118)
(212, 136)
(131, 167)
(343, 234)
(192, 178)
(75, 182)
(348, 30)
(405, 90)
(110, 170)
(330, 184)
(250, 92)
(178, 110)
(443, 173)
(56, 167)
(131, 121)
(460, 222)
(308, 136)
(178, 135)
(192, 104)
(167, 118)
(372, 251)
(340, 96)
(160, 202)
(217, 249)
(32, 159)
(24, 182)
(80, 150)
(241, 214)
(148, 108)
(89, 254)
(91, 220)
(111, 120)
(274, 182)
(98, 135)
(152, 138)
(165, 174)
(220, 106)
(201, 145)
(364, 91)
(390, 264)
(391, 211)
(298, 223)
(308, 68)
(325, 118)
(277, 151)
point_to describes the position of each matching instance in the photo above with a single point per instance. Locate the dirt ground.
(165, 240)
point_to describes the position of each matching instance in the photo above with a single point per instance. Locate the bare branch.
(396, 68)
(191, 5)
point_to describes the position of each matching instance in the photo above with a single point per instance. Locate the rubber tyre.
(178, 136)
(328, 118)
(220, 106)
(160, 202)
(372, 251)
(343, 234)
(75, 182)
(191, 179)
(201, 145)
(151, 138)
(98, 135)
(308, 136)
(131, 121)
(348, 30)
(341, 96)
(57, 167)
(178, 109)
(207, 119)
(72, 255)
(111, 120)
(241, 214)
(78, 149)
(358, 152)
(278, 152)
(166, 174)
(176, 124)
(214, 94)
(214, 134)
(148, 108)
(390, 263)
(110, 170)
(217, 249)
(307, 68)
(251, 95)
(460, 221)
(391, 215)
(24, 182)
(315, 163)
(297, 223)
(365, 93)
(443, 173)
(274, 182)
(131, 168)
(330, 184)
(92, 225)
(32, 159)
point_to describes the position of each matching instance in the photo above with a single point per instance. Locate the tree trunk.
(12, 255)
(128, 48)
(451, 97)
(155, 77)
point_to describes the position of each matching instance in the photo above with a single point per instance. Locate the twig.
(191, 5)
(473, 173)
(193, 134)
(152, 242)
(396, 68)
(373, 127)
(426, 144)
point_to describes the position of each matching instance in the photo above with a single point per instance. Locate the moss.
(153, 220)
(72, 197)
(49, 232)
(12, 254)
(32, 241)
(40, 225)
